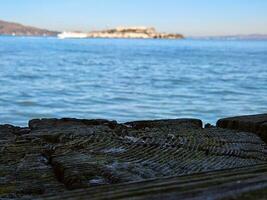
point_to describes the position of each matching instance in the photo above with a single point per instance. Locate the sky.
(189, 17)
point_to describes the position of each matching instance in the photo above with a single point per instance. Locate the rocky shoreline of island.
(92, 159)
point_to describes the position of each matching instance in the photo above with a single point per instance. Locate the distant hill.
(9, 28)
(235, 37)
(247, 37)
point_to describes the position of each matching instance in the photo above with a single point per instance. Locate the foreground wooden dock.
(163, 159)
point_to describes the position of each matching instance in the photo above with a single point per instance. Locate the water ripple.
(130, 79)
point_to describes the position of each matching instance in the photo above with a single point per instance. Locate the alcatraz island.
(123, 32)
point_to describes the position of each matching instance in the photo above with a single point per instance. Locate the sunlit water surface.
(129, 80)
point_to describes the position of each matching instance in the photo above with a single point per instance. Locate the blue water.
(130, 79)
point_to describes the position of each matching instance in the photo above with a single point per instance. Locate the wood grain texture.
(81, 159)
(251, 123)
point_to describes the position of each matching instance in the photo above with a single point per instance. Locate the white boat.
(74, 35)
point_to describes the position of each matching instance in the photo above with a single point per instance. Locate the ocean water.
(126, 80)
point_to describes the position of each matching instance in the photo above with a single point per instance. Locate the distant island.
(15, 29)
(123, 32)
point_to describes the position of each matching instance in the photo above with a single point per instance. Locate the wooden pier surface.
(162, 159)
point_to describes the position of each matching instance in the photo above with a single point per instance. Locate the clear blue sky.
(190, 17)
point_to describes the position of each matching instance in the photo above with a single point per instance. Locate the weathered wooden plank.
(251, 123)
(54, 156)
(213, 185)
